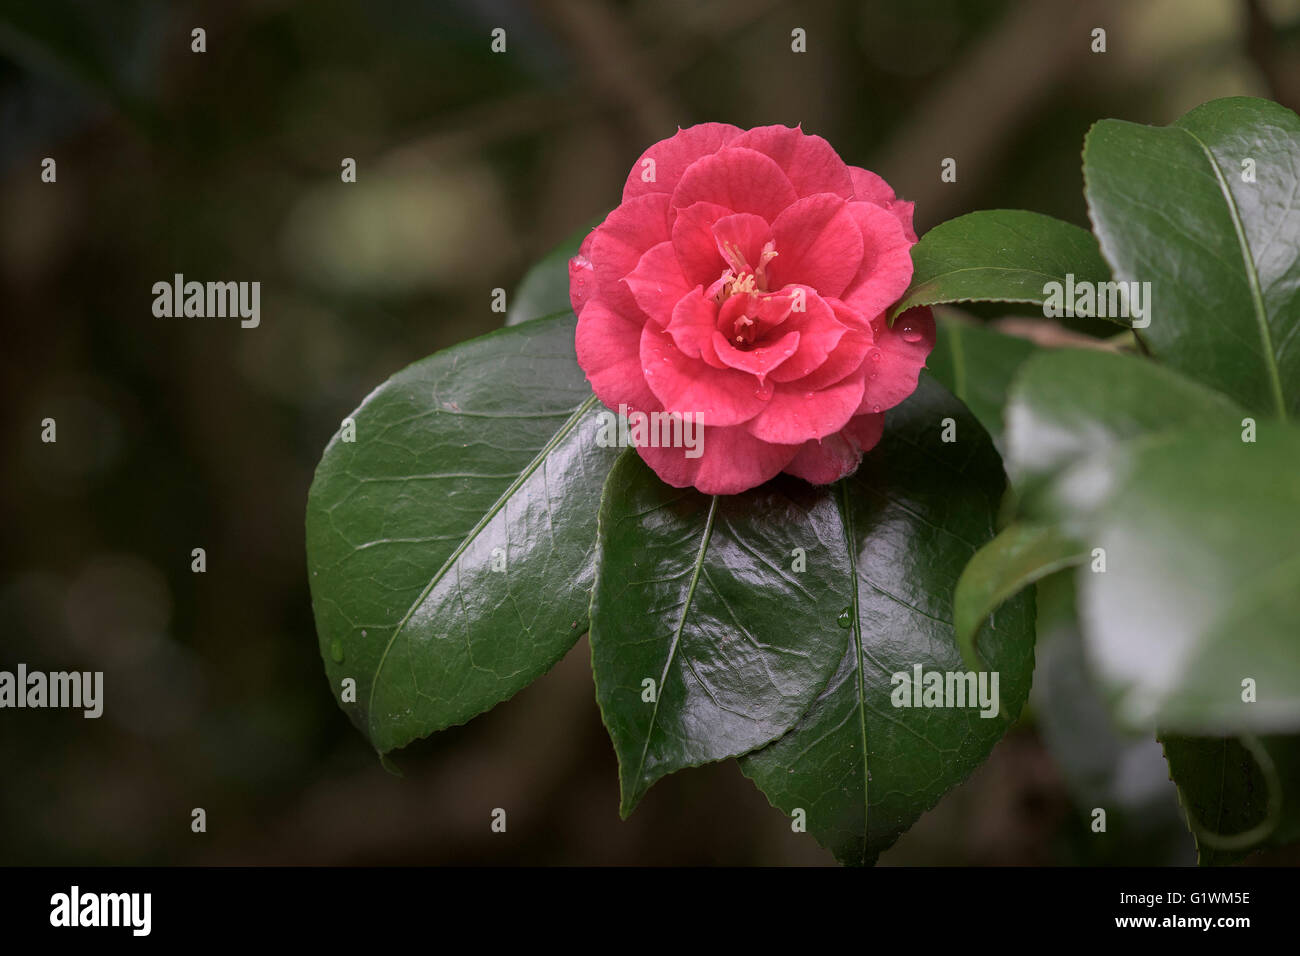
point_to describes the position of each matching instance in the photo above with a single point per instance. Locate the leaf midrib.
(1252, 278)
(470, 536)
(677, 636)
(850, 537)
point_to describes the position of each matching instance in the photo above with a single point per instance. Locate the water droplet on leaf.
(336, 651)
(845, 620)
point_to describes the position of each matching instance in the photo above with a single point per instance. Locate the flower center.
(740, 278)
(744, 331)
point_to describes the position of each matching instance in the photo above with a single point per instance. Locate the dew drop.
(910, 333)
(845, 619)
(875, 408)
(336, 651)
(875, 355)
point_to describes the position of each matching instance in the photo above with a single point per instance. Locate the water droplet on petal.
(875, 408)
(845, 619)
(910, 333)
(875, 355)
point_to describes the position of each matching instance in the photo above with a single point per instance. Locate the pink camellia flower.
(742, 283)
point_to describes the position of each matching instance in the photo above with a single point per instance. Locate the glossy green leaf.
(1020, 555)
(861, 768)
(1067, 405)
(1192, 625)
(713, 619)
(1208, 212)
(450, 544)
(1238, 794)
(977, 365)
(544, 289)
(1000, 255)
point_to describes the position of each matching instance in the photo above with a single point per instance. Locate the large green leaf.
(912, 516)
(1067, 405)
(1239, 794)
(1199, 601)
(1000, 255)
(450, 545)
(1172, 206)
(727, 605)
(977, 365)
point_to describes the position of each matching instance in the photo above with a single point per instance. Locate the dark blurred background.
(176, 434)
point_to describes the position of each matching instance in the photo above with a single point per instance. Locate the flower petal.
(886, 264)
(619, 242)
(743, 180)
(793, 417)
(832, 458)
(582, 275)
(693, 322)
(685, 385)
(757, 361)
(809, 161)
(868, 187)
(818, 244)
(732, 461)
(903, 350)
(671, 157)
(820, 333)
(609, 351)
(694, 244)
(657, 283)
(741, 236)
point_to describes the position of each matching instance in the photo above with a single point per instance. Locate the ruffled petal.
(820, 333)
(740, 238)
(810, 162)
(848, 355)
(886, 264)
(671, 157)
(832, 458)
(690, 386)
(793, 417)
(732, 461)
(758, 361)
(582, 276)
(609, 351)
(743, 180)
(694, 320)
(868, 187)
(657, 283)
(903, 350)
(818, 244)
(694, 244)
(619, 242)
